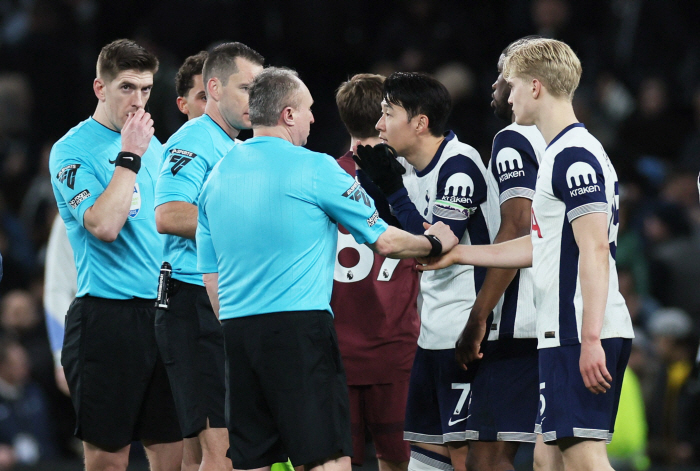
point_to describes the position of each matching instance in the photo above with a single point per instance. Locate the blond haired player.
(583, 326)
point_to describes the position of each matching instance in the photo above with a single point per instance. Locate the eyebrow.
(133, 85)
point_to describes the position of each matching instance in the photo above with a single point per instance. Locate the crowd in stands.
(640, 96)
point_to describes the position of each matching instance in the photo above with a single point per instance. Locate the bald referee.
(266, 243)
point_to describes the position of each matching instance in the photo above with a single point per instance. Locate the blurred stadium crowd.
(640, 96)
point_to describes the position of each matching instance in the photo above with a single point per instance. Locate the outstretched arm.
(515, 253)
(395, 243)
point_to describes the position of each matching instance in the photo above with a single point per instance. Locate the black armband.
(128, 160)
(436, 245)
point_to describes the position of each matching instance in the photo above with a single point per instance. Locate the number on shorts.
(543, 402)
(465, 387)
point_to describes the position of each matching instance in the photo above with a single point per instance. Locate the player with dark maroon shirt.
(374, 302)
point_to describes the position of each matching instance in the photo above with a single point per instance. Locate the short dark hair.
(419, 93)
(221, 62)
(359, 103)
(273, 90)
(124, 54)
(184, 79)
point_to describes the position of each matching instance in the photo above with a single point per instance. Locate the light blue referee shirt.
(188, 157)
(81, 165)
(268, 225)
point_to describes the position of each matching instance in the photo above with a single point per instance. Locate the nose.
(493, 85)
(312, 118)
(139, 102)
(380, 124)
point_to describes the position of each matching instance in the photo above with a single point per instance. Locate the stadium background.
(640, 95)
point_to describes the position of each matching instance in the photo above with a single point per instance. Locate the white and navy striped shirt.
(515, 157)
(575, 178)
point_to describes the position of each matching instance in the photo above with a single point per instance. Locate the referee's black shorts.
(117, 380)
(287, 395)
(191, 344)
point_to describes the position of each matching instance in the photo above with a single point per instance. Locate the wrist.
(590, 339)
(128, 160)
(478, 316)
(435, 245)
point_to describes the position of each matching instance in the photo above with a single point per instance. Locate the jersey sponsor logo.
(135, 202)
(535, 226)
(357, 193)
(67, 175)
(351, 190)
(509, 164)
(372, 220)
(459, 189)
(179, 159)
(79, 198)
(509, 175)
(579, 174)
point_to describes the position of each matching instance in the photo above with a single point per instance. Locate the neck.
(274, 131)
(422, 154)
(212, 109)
(101, 117)
(556, 115)
(370, 141)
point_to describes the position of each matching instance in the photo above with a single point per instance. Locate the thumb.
(427, 226)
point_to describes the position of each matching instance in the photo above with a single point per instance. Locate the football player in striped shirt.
(583, 326)
(504, 394)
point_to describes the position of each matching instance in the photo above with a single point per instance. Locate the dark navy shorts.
(567, 408)
(504, 395)
(436, 411)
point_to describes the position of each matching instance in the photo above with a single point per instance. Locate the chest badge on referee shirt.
(135, 202)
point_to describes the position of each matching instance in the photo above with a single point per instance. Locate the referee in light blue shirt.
(188, 333)
(266, 242)
(103, 173)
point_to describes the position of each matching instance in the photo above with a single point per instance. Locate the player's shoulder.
(194, 134)
(76, 144)
(456, 148)
(527, 138)
(574, 136)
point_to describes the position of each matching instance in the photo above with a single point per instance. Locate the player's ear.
(287, 116)
(214, 88)
(182, 105)
(536, 88)
(422, 123)
(98, 86)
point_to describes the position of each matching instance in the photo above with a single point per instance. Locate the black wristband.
(436, 245)
(128, 160)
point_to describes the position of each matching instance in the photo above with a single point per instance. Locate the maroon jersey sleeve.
(374, 302)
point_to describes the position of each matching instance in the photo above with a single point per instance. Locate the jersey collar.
(449, 135)
(217, 125)
(564, 131)
(102, 129)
